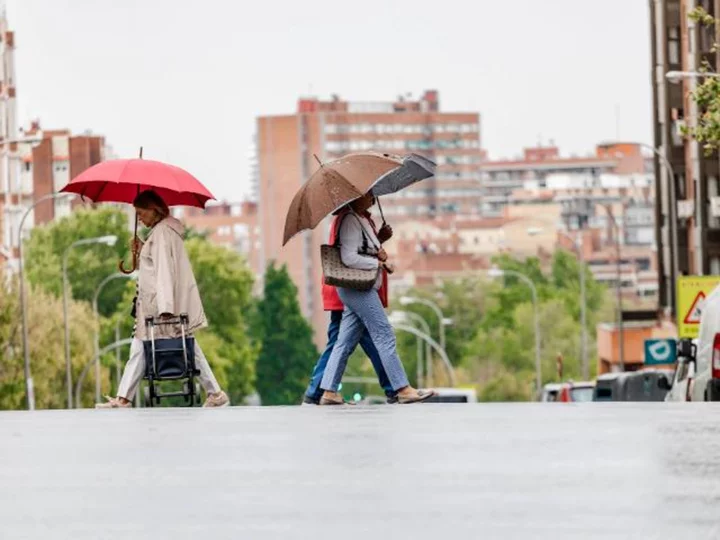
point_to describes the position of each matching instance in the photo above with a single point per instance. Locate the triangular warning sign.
(695, 311)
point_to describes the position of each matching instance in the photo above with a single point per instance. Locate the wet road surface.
(485, 471)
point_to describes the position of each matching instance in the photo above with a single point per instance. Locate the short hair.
(149, 200)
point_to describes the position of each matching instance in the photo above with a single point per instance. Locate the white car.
(697, 376)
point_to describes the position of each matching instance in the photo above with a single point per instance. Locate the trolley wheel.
(146, 395)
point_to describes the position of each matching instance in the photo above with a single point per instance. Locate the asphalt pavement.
(481, 471)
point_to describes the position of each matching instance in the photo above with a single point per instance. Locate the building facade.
(231, 225)
(687, 222)
(289, 146)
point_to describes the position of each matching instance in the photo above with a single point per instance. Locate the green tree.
(46, 342)
(287, 352)
(225, 284)
(707, 94)
(464, 301)
(492, 339)
(88, 265)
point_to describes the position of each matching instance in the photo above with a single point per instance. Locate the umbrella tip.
(141, 152)
(318, 159)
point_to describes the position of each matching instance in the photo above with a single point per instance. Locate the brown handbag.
(335, 272)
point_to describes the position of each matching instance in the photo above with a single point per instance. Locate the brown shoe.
(218, 399)
(419, 396)
(113, 403)
(335, 399)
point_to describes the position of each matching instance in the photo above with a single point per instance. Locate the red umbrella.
(121, 180)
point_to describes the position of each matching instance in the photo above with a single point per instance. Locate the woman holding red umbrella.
(166, 288)
(166, 284)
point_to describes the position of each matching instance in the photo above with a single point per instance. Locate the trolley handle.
(156, 321)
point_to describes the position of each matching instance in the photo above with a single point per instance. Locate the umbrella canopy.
(121, 180)
(339, 182)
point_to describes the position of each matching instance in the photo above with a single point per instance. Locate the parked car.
(576, 391)
(646, 385)
(550, 392)
(610, 387)
(453, 395)
(697, 376)
(642, 385)
(680, 384)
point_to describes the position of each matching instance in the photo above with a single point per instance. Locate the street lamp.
(116, 275)
(108, 240)
(442, 320)
(434, 344)
(29, 388)
(618, 289)
(677, 76)
(496, 272)
(578, 244)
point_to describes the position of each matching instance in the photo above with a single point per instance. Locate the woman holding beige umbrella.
(347, 187)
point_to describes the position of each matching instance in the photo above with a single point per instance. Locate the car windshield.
(581, 393)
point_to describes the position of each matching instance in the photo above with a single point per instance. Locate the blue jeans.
(314, 391)
(364, 314)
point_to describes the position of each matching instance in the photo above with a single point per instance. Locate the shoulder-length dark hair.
(149, 200)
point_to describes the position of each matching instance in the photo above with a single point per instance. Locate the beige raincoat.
(166, 283)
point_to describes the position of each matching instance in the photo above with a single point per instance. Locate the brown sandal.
(333, 401)
(419, 397)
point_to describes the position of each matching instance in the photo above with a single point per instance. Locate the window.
(674, 45)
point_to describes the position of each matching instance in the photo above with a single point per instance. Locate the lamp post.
(442, 320)
(29, 388)
(618, 289)
(497, 273)
(108, 240)
(578, 245)
(677, 76)
(108, 279)
(434, 344)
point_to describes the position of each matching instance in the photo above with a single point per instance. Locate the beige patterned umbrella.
(343, 180)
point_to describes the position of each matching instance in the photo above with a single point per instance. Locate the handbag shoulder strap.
(366, 236)
(341, 219)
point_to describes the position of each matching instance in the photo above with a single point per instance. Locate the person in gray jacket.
(361, 249)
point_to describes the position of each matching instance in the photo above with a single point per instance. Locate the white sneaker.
(218, 399)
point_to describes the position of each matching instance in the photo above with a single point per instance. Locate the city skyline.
(189, 93)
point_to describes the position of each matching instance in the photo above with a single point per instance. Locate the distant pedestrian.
(333, 304)
(361, 248)
(166, 288)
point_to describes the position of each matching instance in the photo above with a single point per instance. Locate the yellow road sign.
(691, 294)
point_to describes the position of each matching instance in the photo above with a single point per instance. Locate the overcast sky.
(186, 79)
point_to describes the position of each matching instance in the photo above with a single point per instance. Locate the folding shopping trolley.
(170, 359)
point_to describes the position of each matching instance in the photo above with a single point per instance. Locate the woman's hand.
(382, 255)
(136, 244)
(385, 233)
(389, 267)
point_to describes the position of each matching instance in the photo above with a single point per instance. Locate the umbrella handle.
(121, 264)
